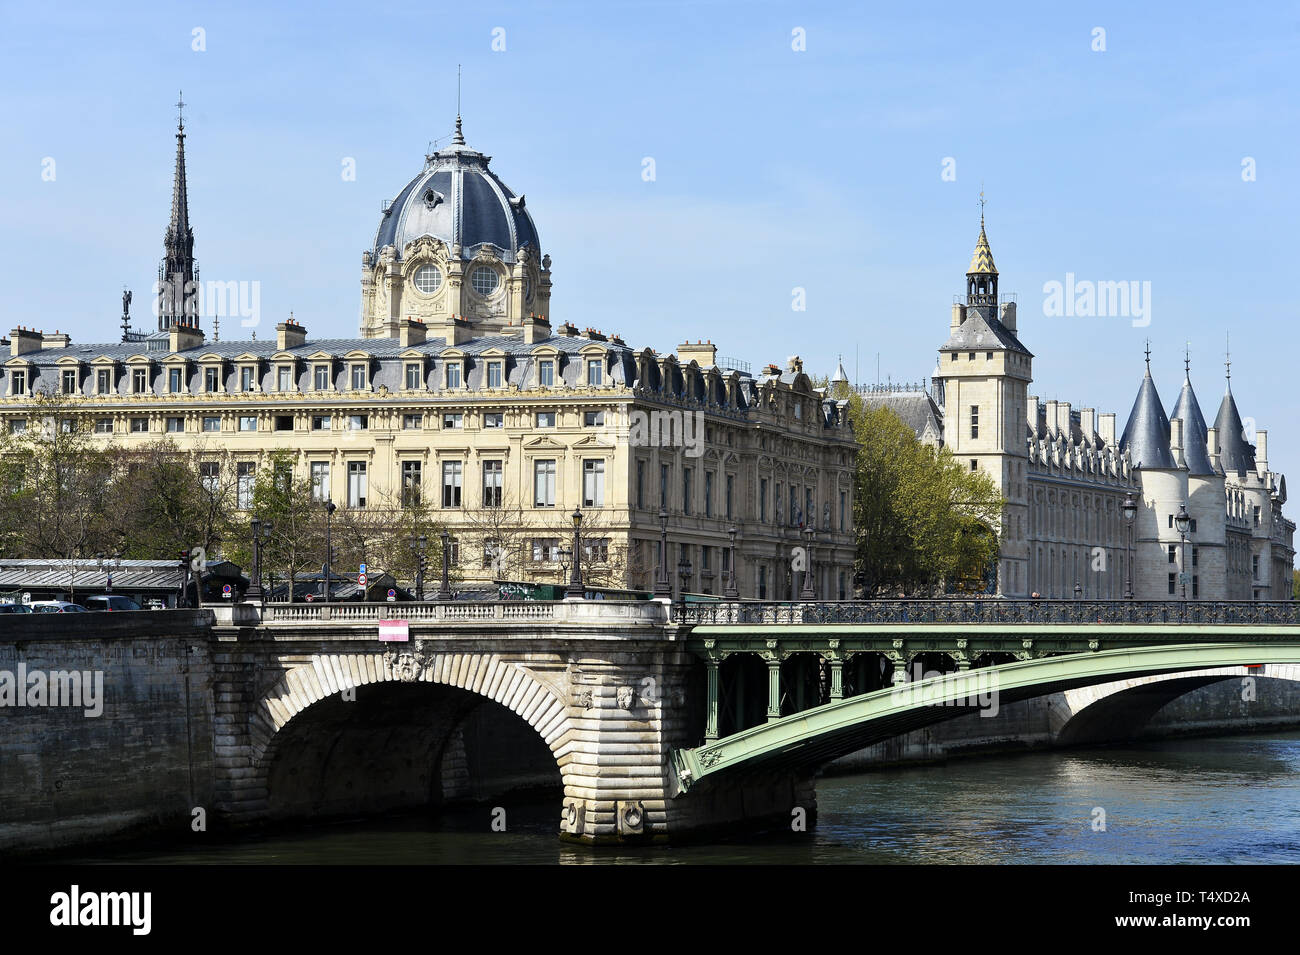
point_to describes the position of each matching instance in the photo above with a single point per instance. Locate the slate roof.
(1146, 436)
(916, 408)
(1235, 452)
(1195, 434)
(982, 332)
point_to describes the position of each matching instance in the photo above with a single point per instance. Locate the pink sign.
(397, 631)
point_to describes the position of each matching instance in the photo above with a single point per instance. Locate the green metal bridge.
(841, 676)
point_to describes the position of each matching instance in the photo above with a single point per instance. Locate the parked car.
(56, 606)
(15, 608)
(110, 602)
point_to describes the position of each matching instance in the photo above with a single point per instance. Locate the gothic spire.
(178, 276)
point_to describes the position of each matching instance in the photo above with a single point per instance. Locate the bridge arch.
(480, 677)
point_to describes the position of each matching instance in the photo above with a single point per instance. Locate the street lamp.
(1182, 521)
(261, 537)
(1078, 591)
(732, 593)
(330, 508)
(808, 593)
(419, 544)
(563, 553)
(663, 585)
(444, 593)
(683, 572)
(1129, 507)
(575, 588)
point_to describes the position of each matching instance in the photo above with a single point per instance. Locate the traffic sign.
(225, 590)
(361, 569)
(361, 578)
(392, 594)
(310, 598)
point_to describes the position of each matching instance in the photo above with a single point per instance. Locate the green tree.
(284, 501)
(923, 521)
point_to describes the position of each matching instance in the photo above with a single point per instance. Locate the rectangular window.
(357, 484)
(593, 419)
(284, 422)
(1257, 515)
(451, 483)
(640, 484)
(974, 422)
(810, 509)
(453, 374)
(494, 419)
(794, 507)
(1196, 585)
(777, 502)
(974, 464)
(593, 483)
(596, 550)
(246, 379)
(1192, 528)
(544, 483)
(70, 383)
(546, 550)
(412, 422)
(595, 372)
(103, 426)
(358, 422)
(412, 483)
(65, 425)
(175, 425)
(211, 380)
(686, 490)
(139, 425)
(320, 480)
(210, 477)
(731, 484)
(843, 510)
(358, 377)
(17, 425)
(1254, 566)
(546, 419)
(244, 471)
(663, 487)
(708, 493)
(1195, 556)
(492, 475)
(494, 374)
(414, 377)
(103, 381)
(452, 420)
(1173, 583)
(762, 499)
(320, 422)
(247, 423)
(762, 575)
(284, 379)
(1173, 553)
(546, 372)
(321, 378)
(492, 550)
(139, 381)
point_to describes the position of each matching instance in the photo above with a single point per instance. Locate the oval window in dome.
(428, 279)
(484, 280)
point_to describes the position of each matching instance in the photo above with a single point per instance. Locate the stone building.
(1066, 475)
(460, 392)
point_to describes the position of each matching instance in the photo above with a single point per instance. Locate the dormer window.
(212, 380)
(321, 377)
(414, 376)
(358, 377)
(284, 378)
(246, 378)
(70, 383)
(139, 381)
(175, 381)
(595, 372)
(103, 381)
(546, 372)
(494, 374)
(453, 374)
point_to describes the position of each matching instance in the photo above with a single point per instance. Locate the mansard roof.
(916, 408)
(982, 332)
(1146, 437)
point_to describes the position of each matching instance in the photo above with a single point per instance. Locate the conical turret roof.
(1146, 437)
(1236, 454)
(1195, 434)
(981, 262)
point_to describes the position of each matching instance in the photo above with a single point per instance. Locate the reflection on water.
(1223, 800)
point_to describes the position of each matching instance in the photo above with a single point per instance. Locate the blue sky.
(775, 169)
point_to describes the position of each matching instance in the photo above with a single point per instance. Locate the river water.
(1216, 800)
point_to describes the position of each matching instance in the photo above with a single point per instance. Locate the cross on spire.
(1227, 355)
(180, 110)
(1148, 350)
(982, 200)
(1187, 359)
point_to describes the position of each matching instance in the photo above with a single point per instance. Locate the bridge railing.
(991, 610)
(517, 611)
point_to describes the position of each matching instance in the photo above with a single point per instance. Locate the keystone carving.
(408, 665)
(625, 696)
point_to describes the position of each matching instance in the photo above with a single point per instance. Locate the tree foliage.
(924, 523)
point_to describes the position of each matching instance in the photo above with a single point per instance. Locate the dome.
(457, 199)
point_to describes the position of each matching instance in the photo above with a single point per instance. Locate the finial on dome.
(1227, 359)
(1187, 360)
(1148, 352)
(459, 138)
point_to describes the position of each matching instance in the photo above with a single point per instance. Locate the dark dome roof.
(457, 199)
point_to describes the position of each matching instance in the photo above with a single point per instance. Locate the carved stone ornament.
(625, 696)
(709, 757)
(407, 665)
(583, 696)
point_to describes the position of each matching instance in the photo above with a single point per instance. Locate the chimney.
(455, 331)
(289, 334)
(23, 340)
(1051, 417)
(958, 315)
(1212, 446)
(703, 353)
(1176, 442)
(183, 337)
(1063, 419)
(411, 332)
(568, 330)
(1031, 413)
(1261, 452)
(57, 340)
(1009, 316)
(1106, 428)
(1088, 424)
(536, 329)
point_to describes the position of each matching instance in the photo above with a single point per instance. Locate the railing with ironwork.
(988, 610)
(517, 611)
